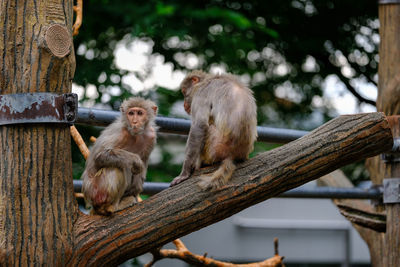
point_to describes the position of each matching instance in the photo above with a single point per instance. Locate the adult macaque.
(117, 165)
(224, 125)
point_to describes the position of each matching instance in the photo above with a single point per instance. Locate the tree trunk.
(391, 257)
(389, 102)
(37, 205)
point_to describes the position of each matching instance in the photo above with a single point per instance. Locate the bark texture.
(37, 205)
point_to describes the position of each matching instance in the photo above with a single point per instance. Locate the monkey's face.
(137, 118)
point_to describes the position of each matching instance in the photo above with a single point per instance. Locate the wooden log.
(185, 208)
(37, 203)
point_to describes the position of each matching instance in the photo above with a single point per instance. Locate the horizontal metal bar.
(384, 2)
(295, 224)
(182, 126)
(97, 117)
(334, 192)
(150, 188)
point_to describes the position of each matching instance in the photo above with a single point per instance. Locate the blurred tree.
(285, 51)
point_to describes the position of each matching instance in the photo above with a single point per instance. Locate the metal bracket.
(38, 108)
(391, 190)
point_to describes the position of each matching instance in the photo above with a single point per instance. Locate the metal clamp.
(38, 108)
(391, 190)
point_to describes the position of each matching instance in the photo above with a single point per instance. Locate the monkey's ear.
(121, 108)
(195, 79)
(155, 109)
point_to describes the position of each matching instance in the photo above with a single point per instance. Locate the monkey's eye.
(130, 113)
(140, 113)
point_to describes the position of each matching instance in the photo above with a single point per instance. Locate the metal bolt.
(70, 116)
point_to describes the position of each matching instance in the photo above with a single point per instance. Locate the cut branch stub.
(185, 208)
(58, 40)
(364, 217)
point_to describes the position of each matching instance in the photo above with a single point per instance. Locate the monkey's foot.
(179, 179)
(211, 182)
(126, 202)
(205, 182)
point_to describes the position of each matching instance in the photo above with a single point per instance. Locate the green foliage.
(269, 43)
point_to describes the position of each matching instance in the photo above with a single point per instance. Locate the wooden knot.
(58, 40)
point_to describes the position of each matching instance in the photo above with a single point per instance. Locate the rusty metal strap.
(38, 108)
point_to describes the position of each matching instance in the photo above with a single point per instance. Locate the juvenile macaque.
(224, 125)
(117, 164)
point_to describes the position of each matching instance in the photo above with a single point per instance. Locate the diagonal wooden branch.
(79, 142)
(78, 20)
(185, 208)
(182, 253)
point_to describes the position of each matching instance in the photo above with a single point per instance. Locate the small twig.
(79, 14)
(276, 244)
(79, 142)
(182, 253)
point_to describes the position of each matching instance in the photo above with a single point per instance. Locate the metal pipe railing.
(150, 188)
(101, 117)
(182, 126)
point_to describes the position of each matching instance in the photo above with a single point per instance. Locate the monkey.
(117, 165)
(224, 125)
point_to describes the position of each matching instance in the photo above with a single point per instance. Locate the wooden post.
(389, 102)
(37, 205)
(392, 173)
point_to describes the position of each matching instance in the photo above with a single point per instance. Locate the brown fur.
(224, 125)
(116, 168)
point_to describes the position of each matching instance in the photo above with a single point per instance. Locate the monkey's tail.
(220, 177)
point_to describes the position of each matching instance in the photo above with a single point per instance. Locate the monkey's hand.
(136, 164)
(179, 179)
(137, 168)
